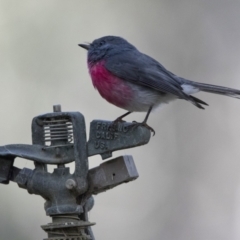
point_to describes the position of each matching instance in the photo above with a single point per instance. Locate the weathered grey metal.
(39, 153)
(111, 173)
(73, 228)
(6, 166)
(61, 188)
(106, 137)
(60, 138)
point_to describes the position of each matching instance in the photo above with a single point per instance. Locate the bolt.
(70, 184)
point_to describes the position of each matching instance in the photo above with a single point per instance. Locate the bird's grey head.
(105, 47)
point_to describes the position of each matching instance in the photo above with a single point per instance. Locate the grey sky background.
(189, 184)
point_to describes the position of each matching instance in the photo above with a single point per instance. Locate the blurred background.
(189, 184)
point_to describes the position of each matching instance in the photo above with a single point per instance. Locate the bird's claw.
(118, 120)
(114, 123)
(144, 124)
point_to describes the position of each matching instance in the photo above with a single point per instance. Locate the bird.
(136, 82)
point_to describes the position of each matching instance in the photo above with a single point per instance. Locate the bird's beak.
(85, 46)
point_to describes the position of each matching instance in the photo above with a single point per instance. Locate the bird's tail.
(230, 92)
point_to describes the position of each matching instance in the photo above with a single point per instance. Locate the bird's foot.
(114, 124)
(118, 120)
(144, 124)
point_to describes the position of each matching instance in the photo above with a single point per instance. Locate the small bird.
(136, 82)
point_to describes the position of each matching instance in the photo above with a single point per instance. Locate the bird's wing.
(141, 69)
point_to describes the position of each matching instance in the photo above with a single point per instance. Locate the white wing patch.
(189, 89)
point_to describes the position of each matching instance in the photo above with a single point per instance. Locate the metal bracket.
(106, 137)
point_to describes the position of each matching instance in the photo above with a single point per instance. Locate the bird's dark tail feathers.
(230, 92)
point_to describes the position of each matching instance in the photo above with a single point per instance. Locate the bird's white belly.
(143, 98)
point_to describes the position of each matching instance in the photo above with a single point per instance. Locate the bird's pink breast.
(110, 87)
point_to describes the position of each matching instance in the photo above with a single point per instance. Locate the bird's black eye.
(101, 43)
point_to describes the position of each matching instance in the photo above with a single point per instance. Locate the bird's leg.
(148, 113)
(120, 119)
(144, 123)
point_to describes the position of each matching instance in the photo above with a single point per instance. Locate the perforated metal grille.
(57, 130)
